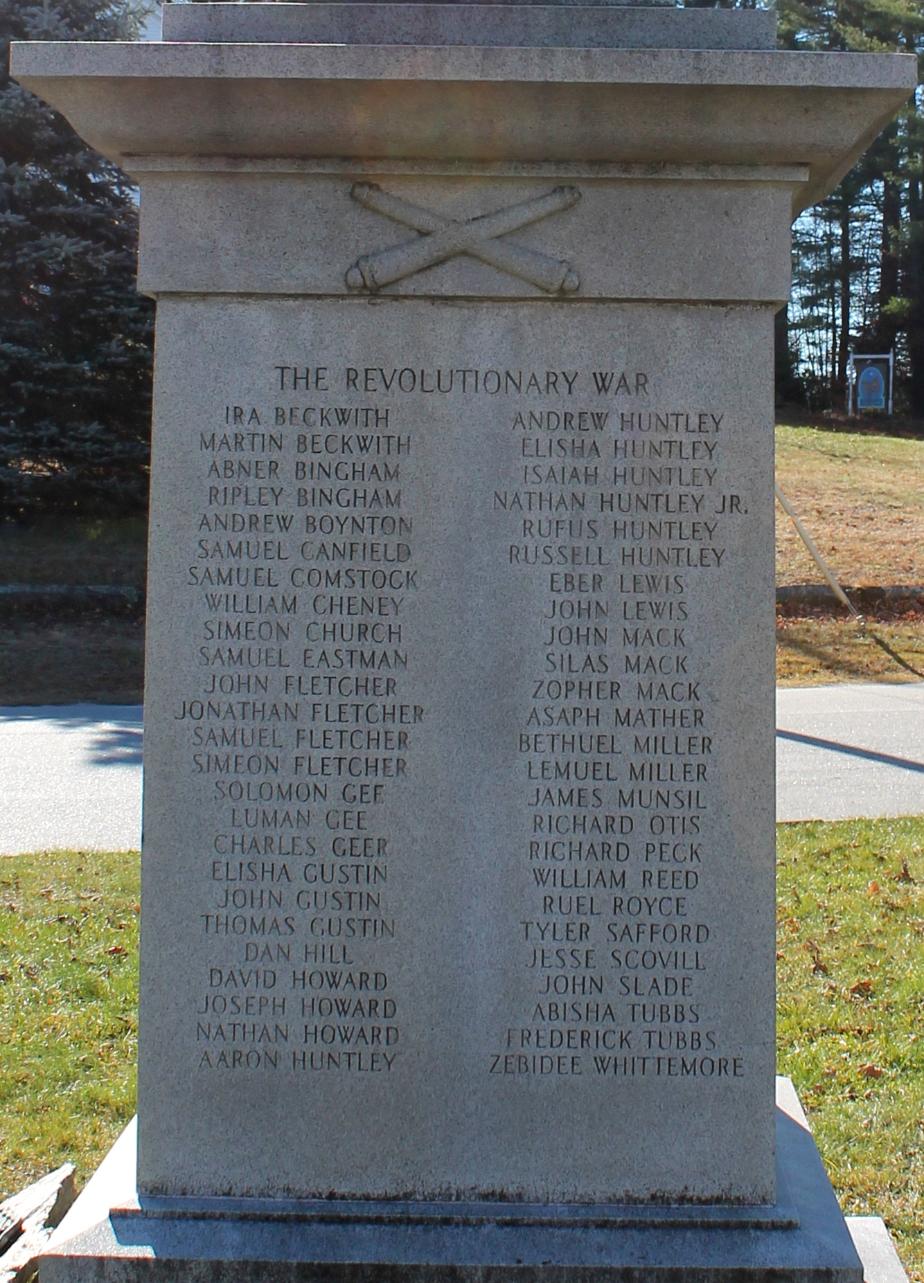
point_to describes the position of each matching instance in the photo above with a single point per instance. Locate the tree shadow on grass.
(820, 655)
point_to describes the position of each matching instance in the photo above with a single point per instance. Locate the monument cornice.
(610, 106)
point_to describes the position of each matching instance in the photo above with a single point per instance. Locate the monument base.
(109, 1236)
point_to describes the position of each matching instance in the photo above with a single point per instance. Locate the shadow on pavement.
(118, 746)
(117, 735)
(868, 754)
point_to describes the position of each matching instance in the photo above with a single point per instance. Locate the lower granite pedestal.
(111, 1237)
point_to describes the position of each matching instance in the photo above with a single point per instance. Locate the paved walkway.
(844, 751)
(70, 776)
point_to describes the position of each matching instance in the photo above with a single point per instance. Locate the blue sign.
(871, 389)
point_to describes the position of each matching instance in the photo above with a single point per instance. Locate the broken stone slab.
(27, 1220)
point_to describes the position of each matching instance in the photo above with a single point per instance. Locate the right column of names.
(619, 519)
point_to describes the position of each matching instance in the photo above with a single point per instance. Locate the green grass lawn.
(68, 993)
(850, 1031)
(851, 1009)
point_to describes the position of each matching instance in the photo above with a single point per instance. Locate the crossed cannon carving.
(443, 238)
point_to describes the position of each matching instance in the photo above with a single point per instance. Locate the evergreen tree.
(75, 337)
(865, 290)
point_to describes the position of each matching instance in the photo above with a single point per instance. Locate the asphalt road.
(70, 776)
(845, 751)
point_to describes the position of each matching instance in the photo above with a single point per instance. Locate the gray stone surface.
(876, 1250)
(259, 237)
(509, 105)
(850, 750)
(508, 815)
(807, 1238)
(70, 777)
(458, 812)
(527, 25)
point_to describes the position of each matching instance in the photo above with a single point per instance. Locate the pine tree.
(75, 337)
(870, 295)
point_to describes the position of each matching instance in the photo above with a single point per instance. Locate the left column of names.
(297, 726)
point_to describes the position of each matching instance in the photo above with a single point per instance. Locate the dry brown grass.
(817, 651)
(861, 496)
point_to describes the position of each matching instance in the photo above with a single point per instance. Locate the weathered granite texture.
(421, 23)
(458, 816)
(461, 104)
(512, 614)
(622, 235)
(109, 1237)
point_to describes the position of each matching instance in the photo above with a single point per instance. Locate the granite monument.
(458, 910)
